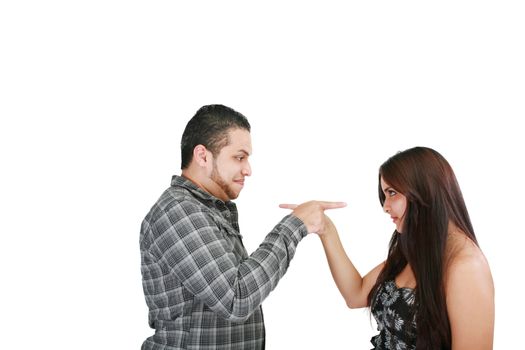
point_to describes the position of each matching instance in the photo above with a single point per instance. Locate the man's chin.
(234, 195)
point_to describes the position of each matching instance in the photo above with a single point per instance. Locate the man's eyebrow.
(244, 151)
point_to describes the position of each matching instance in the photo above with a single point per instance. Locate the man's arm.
(189, 243)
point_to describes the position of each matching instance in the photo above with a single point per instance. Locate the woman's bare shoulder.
(469, 295)
(467, 264)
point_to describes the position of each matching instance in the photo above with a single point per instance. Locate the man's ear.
(200, 155)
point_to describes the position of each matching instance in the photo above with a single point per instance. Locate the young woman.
(435, 289)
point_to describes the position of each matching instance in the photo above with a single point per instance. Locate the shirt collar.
(186, 183)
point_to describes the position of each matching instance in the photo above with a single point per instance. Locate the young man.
(202, 288)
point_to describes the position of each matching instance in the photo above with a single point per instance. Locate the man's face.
(231, 165)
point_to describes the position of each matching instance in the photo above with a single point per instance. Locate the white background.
(95, 95)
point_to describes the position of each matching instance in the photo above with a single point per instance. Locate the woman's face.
(395, 205)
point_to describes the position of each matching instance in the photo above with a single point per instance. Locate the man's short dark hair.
(209, 127)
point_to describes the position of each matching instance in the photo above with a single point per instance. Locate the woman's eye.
(391, 193)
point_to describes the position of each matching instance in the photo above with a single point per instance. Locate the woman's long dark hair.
(433, 200)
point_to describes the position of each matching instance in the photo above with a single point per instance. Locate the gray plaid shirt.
(202, 289)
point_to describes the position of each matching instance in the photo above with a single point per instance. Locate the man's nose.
(247, 169)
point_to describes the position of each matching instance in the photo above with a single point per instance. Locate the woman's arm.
(351, 285)
(470, 302)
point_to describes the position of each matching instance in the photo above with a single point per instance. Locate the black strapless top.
(394, 312)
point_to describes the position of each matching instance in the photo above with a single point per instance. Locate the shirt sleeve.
(190, 243)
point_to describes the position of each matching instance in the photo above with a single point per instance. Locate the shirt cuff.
(294, 227)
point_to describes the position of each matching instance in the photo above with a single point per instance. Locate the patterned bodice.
(393, 310)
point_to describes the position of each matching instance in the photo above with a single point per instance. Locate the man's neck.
(205, 184)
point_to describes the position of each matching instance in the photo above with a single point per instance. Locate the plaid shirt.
(202, 289)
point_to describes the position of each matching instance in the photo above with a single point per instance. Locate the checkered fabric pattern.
(202, 289)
